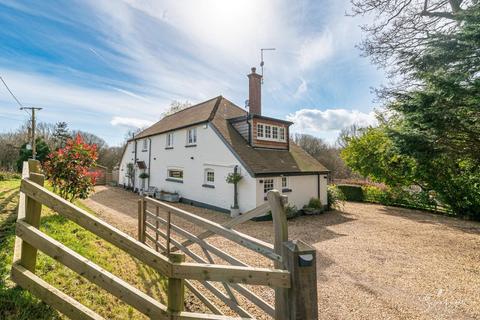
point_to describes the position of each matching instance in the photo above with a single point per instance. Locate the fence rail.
(169, 263)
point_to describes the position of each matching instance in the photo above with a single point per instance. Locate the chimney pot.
(255, 92)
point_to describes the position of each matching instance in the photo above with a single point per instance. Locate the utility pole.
(34, 146)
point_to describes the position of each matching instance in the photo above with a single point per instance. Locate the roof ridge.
(190, 107)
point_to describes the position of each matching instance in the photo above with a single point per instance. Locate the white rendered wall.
(303, 188)
(209, 153)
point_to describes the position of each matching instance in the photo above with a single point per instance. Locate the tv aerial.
(262, 63)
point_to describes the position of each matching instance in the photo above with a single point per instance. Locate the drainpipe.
(318, 185)
(134, 165)
(235, 194)
(149, 159)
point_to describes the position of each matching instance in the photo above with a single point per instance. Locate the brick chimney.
(255, 93)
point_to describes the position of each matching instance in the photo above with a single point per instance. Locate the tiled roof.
(256, 160)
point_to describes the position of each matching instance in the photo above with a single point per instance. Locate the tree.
(60, 134)
(405, 26)
(68, 169)
(176, 106)
(374, 155)
(26, 153)
(326, 154)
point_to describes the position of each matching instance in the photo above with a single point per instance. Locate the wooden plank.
(258, 211)
(281, 235)
(256, 300)
(176, 287)
(202, 298)
(202, 243)
(33, 211)
(102, 229)
(51, 295)
(17, 250)
(233, 304)
(140, 220)
(204, 316)
(242, 239)
(89, 270)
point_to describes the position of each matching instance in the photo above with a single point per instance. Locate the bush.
(400, 197)
(315, 203)
(335, 197)
(351, 192)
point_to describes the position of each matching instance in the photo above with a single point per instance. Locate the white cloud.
(315, 50)
(130, 122)
(316, 121)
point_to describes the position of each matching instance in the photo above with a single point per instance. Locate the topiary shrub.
(315, 203)
(351, 192)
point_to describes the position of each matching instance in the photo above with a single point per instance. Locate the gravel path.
(374, 262)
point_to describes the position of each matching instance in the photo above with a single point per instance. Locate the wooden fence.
(297, 302)
(295, 297)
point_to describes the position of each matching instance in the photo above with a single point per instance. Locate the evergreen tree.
(61, 134)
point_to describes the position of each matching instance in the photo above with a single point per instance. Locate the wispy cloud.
(130, 122)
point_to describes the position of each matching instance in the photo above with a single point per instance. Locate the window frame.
(191, 133)
(174, 178)
(270, 181)
(272, 132)
(209, 172)
(144, 144)
(169, 140)
(284, 185)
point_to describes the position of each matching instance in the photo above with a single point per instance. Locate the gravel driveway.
(374, 262)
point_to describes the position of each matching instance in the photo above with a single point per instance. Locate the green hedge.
(351, 192)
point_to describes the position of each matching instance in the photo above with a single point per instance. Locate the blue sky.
(107, 66)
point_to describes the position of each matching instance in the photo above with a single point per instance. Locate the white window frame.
(145, 145)
(284, 182)
(260, 130)
(174, 169)
(269, 131)
(191, 136)
(269, 182)
(169, 140)
(210, 172)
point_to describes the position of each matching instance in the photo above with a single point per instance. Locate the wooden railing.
(30, 239)
(155, 228)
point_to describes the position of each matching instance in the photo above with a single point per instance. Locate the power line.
(6, 86)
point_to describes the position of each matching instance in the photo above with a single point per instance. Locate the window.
(284, 182)
(209, 176)
(267, 185)
(268, 131)
(145, 145)
(169, 143)
(259, 130)
(191, 136)
(275, 133)
(175, 174)
(282, 133)
(271, 132)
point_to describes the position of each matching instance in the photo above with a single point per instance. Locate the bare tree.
(176, 106)
(402, 28)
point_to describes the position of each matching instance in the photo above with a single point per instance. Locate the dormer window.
(270, 132)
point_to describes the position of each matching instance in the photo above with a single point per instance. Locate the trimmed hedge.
(351, 192)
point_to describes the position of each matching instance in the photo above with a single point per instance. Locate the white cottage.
(192, 152)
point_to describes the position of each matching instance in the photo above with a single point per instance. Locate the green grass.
(16, 303)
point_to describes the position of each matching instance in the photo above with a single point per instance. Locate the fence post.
(142, 207)
(301, 261)
(33, 211)
(176, 287)
(280, 229)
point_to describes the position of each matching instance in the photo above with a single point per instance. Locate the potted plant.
(313, 207)
(234, 178)
(167, 196)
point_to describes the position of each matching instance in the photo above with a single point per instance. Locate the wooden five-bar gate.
(293, 276)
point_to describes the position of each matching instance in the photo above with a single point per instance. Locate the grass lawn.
(16, 303)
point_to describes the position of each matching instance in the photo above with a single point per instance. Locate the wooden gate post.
(301, 261)
(176, 287)
(280, 230)
(33, 211)
(142, 208)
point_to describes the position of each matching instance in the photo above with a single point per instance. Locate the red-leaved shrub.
(67, 169)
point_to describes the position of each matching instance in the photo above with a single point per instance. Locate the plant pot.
(167, 196)
(312, 211)
(234, 212)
